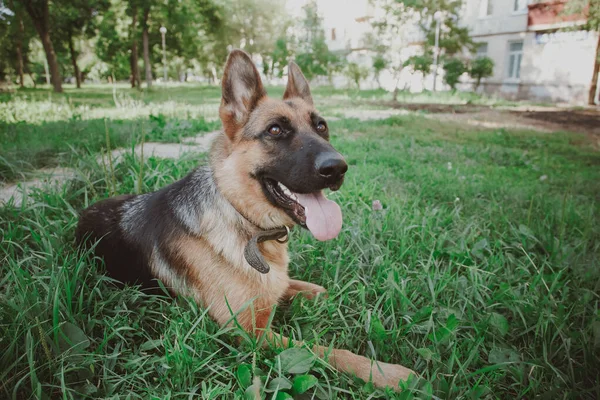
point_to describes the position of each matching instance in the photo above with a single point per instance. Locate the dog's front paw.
(306, 289)
(314, 291)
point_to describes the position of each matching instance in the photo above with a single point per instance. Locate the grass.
(74, 121)
(481, 273)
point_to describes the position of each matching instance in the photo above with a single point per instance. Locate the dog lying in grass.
(219, 235)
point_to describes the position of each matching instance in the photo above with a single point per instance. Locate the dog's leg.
(381, 374)
(306, 289)
(255, 320)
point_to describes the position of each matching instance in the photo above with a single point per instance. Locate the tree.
(39, 14)
(314, 56)
(454, 68)
(198, 33)
(135, 72)
(146, 44)
(113, 44)
(281, 55)
(356, 73)
(481, 67)
(400, 15)
(420, 63)
(591, 10)
(15, 37)
(73, 19)
(379, 64)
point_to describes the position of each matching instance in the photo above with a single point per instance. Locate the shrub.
(481, 67)
(379, 64)
(420, 63)
(356, 73)
(453, 68)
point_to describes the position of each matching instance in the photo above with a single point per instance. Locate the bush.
(379, 64)
(420, 63)
(453, 68)
(481, 67)
(356, 73)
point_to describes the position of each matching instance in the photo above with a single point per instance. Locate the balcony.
(552, 15)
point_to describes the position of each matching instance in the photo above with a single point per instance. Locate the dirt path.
(56, 177)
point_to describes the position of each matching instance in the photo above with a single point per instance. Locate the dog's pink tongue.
(323, 216)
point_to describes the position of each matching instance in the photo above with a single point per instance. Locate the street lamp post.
(436, 49)
(163, 32)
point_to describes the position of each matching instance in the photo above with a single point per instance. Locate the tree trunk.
(74, 62)
(20, 69)
(146, 45)
(33, 80)
(135, 74)
(52, 62)
(594, 85)
(40, 17)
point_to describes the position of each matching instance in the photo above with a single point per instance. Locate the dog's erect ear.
(242, 90)
(297, 85)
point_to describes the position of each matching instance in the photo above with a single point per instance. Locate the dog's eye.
(321, 127)
(275, 130)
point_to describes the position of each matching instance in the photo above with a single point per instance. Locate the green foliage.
(481, 67)
(15, 32)
(453, 38)
(314, 57)
(379, 64)
(281, 54)
(420, 63)
(453, 68)
(356, 73)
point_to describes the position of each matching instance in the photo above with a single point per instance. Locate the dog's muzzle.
(252, 253)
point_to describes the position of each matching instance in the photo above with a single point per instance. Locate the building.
(539, 52)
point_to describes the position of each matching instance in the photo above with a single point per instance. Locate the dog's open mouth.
(321, 216)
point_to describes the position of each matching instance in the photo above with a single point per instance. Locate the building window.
(486, 8)
(333, 35)
(520, 5)
(482, 49)
(515, 55)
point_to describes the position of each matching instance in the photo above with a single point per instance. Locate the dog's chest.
(217, 275)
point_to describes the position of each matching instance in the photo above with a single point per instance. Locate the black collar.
(253, 255)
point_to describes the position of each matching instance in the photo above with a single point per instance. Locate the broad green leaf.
(377, 329)
(479, 248)
(303, 382)
(426, 353)
(73, 338)
(280, 383)
(244, 375)
(296, 360)
(283, 396)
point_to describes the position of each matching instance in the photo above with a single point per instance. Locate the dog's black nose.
(331, 165)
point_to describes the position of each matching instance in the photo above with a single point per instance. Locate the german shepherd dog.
(219, 235)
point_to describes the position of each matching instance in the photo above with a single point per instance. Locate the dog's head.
(276, 157)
